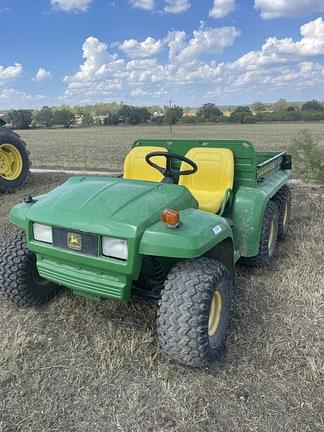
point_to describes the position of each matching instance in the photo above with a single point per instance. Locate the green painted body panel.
(199, 232)
(84, 280)
(131, 209)
(105, 206)
(248, 209)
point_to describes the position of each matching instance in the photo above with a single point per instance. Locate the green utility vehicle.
(14, 160)
(170, 230)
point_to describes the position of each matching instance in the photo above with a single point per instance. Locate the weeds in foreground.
(308, 157)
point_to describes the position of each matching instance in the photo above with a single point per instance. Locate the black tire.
(183, 325)
(9, 137)
(268, 240)
(283, 200)
(19, 279)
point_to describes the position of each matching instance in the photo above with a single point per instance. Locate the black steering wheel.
(169, 173)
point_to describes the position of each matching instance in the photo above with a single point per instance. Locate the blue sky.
(148, 51)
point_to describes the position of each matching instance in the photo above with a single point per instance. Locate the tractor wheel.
(14, 161)
(283, 200)
(268, 238)
(19, 278)
(195, 310)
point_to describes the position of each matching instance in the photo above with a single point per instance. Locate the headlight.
(115, 248)
(42, 233)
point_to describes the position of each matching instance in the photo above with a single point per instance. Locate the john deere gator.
(170, 230)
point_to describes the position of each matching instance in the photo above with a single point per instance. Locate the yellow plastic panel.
(136, 168)
(214, 176)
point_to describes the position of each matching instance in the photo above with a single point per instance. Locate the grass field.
(105, 147)
(77, 365)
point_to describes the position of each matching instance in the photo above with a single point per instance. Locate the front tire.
(19, 279)
(195, 310)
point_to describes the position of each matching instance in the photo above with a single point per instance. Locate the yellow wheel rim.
(272, 237)
(215, 313)
(11, 162)
(285, 218)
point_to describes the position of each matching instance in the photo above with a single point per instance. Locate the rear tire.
(283, 200)
(19, 279)
(9, 138)
(195, 310)
(268, 240)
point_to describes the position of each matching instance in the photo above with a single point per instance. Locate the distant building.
(78, 120)
(100, 119)
(191, 113)
(227, 113)
(158, 114)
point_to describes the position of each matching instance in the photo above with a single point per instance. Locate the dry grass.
(106, 147)
(77, 365)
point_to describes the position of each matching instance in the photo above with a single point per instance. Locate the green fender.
(198, 233)
(248, 211)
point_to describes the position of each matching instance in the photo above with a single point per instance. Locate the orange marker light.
(171, 218)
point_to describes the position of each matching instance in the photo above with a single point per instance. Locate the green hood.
(105, 205)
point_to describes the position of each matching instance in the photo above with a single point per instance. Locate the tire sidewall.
(284, 226)
(38, 287)
(17, 269)
(274, 219)
(9, 137)
(217, 341)
(283, 198)
(184, 308)
(271, 214)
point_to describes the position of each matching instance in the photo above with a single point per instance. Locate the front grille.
(84, 243)
(100, 284)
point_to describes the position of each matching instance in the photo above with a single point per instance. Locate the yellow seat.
(214, 177)
(136, 168)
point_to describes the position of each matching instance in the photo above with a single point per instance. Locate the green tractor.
(170, 230)
(14, 160)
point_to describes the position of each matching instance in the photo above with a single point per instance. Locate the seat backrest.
(136, 168)
(215, 174)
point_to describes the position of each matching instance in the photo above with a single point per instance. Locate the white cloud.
(147, 48)
(204, 41)
(147, 5)
(138, 92)
(288, 8)
(10, 72)
(98, 62)
(13, 99)
(170, 6)
(71, 5)
(177, 6)
(42, 75)
(276, 51)
(221, 8)
(280, 66)
(176, 42)
(104, 75)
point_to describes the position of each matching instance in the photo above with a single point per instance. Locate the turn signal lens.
(171, 218)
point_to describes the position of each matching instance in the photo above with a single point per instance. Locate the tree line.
(115, 114)
(66, 117)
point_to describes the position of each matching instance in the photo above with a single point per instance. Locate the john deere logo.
(74, 241)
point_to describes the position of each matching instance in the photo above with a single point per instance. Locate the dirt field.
(106, 147)
(77, 365)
